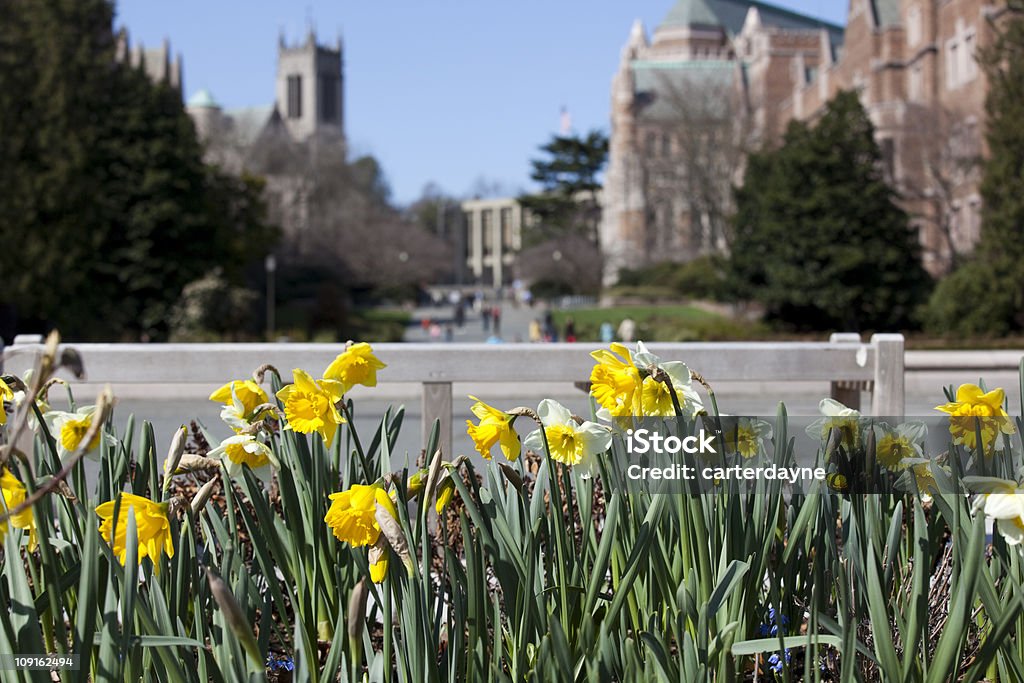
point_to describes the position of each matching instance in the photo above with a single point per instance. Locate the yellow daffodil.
(923, 471)
(615, 382)
(746, 435)
(311, 406)
(495, 428)
(378, 559)
(353, 520)
(241, 398)
(836, 415)
(973, 409)
(355, 365)
(69, 429)
(245, 449)
(151, 525)
(6, 394)
(415, 483)
(893, 446)
(655, 396)
(14, 495)
(352, 515)
(445, 492)
(569, 443)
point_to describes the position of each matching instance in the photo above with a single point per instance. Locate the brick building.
(721, 77)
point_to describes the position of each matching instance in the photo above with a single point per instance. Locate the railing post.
(437, 405)
(847, 393)
(889, 397)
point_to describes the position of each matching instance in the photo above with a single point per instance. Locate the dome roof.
(203, 98)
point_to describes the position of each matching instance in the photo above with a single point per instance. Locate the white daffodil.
(894, 445)
(836, 415)
(655, 397)
(1003, 501)
(569, 443)
(746, 435)
(245, 449)
(69, 429)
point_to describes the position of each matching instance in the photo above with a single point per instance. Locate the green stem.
(560, 540)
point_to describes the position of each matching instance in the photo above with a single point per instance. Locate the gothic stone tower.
(666, 188)
(310, 88)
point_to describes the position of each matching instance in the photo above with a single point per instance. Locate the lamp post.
(270, 265)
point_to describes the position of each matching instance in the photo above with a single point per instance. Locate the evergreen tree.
(111, 211)
(985, 296)
(819, 240)
(567, 204)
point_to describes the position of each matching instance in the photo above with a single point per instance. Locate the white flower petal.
(552, 412)
(534, 442)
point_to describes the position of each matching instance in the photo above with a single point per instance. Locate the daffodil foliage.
(282, 543)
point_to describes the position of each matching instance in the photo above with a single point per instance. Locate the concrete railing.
(876, 366)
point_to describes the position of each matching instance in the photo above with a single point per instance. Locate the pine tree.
(819, 239)
(111, 210)
(567, 204)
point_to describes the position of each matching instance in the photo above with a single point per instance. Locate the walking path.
(515, 322)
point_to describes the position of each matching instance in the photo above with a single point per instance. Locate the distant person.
(425, 324)
(496, 320)
(550, 333)
(536, 336)
(528, 298)
(570, 330)
(627, 330)
(460, 314)
(435, 331)
(485, 316)
(449, 332)
(607, 333)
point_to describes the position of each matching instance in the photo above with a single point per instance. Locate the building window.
(914, 25)
(506, 228)
(952, 64)
(467, 222)
(328, 98)
(916, 85)
(650, 142)
(295, 97)
(487, 227)
(969, 65)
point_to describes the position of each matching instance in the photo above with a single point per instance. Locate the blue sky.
(455, 92)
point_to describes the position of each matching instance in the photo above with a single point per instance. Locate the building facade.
(493, 231)
(719, 78)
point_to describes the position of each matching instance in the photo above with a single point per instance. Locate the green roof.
(203, 98)
(691, 13)
(730, 15)
(887, 12)
(661, 87)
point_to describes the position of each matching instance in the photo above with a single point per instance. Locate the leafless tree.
(571, 260)
(694, 144)
(943, 154)
(335, 214)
